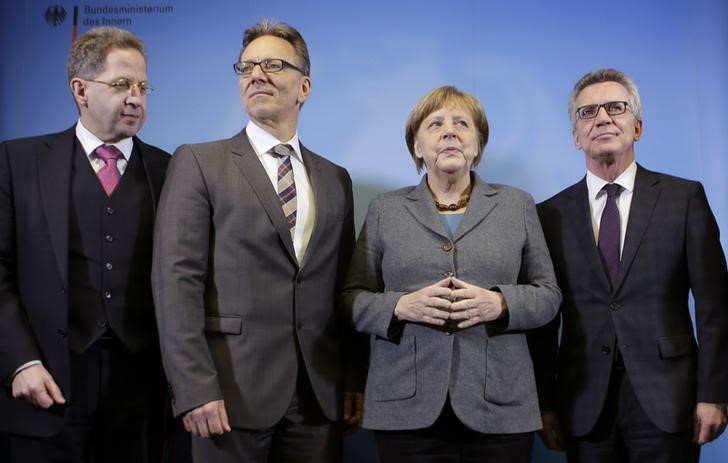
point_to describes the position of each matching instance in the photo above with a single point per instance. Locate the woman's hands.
(473, 304)
(451, 299)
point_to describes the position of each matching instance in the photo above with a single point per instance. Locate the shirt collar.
(595, 184)
(263, 141)
(90, 142)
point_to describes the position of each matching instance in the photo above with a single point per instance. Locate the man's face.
(113, 114)
(604, 137)
(274, 97)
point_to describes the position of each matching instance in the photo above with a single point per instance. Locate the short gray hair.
(282, 31)
(87, 58)
(606, 75)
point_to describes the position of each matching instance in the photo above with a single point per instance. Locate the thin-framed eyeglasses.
(124, 85)
(245, 68)
(613, 108)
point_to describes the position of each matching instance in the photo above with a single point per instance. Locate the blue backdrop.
(372, 61)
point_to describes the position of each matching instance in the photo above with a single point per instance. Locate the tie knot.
(108, 152)
(612, 189)
(282, 150)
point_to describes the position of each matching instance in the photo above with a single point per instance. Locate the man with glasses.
(79, 355)
(628, 381)
(253, 241)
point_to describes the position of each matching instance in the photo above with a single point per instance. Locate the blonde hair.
(438, 99)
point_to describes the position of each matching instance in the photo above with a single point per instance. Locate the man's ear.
(78, 90)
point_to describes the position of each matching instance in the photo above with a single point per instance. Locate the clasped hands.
(451, 299)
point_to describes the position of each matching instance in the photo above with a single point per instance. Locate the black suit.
(41, 215)
(671, 248)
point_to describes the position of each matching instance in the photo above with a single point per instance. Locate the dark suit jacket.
(485, 369)
(35, 178)
(671, 248)
(233, 305)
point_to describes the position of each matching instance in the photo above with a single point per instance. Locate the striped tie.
(286, 183)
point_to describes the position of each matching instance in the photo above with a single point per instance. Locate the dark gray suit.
(234, 306)
(671, 248)
(486, 369)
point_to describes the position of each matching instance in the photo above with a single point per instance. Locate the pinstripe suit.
(671, 248)
(234, 306)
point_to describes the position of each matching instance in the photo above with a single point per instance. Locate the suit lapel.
(422, 208)
(54, 178)
(247, 161)
(579, 222)
(482, 202)
(644, 198)
(154, 172)
(319, 183)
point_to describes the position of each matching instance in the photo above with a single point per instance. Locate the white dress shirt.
(90, 142)
(598, 199)
(263, 142)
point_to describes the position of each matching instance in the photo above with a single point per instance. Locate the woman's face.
(447, 141)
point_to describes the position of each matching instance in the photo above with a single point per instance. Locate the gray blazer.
(486, 369)
(233, 305)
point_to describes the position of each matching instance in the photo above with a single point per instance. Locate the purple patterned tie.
(109, 175)
(286, 183)
(609, 232)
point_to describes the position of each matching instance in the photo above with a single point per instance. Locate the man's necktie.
(109, 175)
(609, 232)
(286, 183)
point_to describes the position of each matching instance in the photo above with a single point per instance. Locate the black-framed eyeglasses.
(245, 68)
(613, 108)
(124, 85)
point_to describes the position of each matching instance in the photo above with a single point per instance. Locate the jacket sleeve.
(535, 299)
(708, 276)
(179, 276)
(17, 340)
(366, 303)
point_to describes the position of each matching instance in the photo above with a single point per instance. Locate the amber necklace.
(462, 202)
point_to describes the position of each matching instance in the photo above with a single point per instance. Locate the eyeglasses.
(613, 108)
(124, 85)
(245, 68)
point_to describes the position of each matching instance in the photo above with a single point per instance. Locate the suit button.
(109, 238)
(606, 350)
(109, 210)
(447, 247)
(102, 324)
(299, 325)
(63, 290)
(614, 306)
(107, 294)
(108, 266)
(62, 332)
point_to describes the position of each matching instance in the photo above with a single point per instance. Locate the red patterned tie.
(286, 183)
(109, 175)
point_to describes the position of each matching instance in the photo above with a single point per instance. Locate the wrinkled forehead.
(268, 46)
(602, 92)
